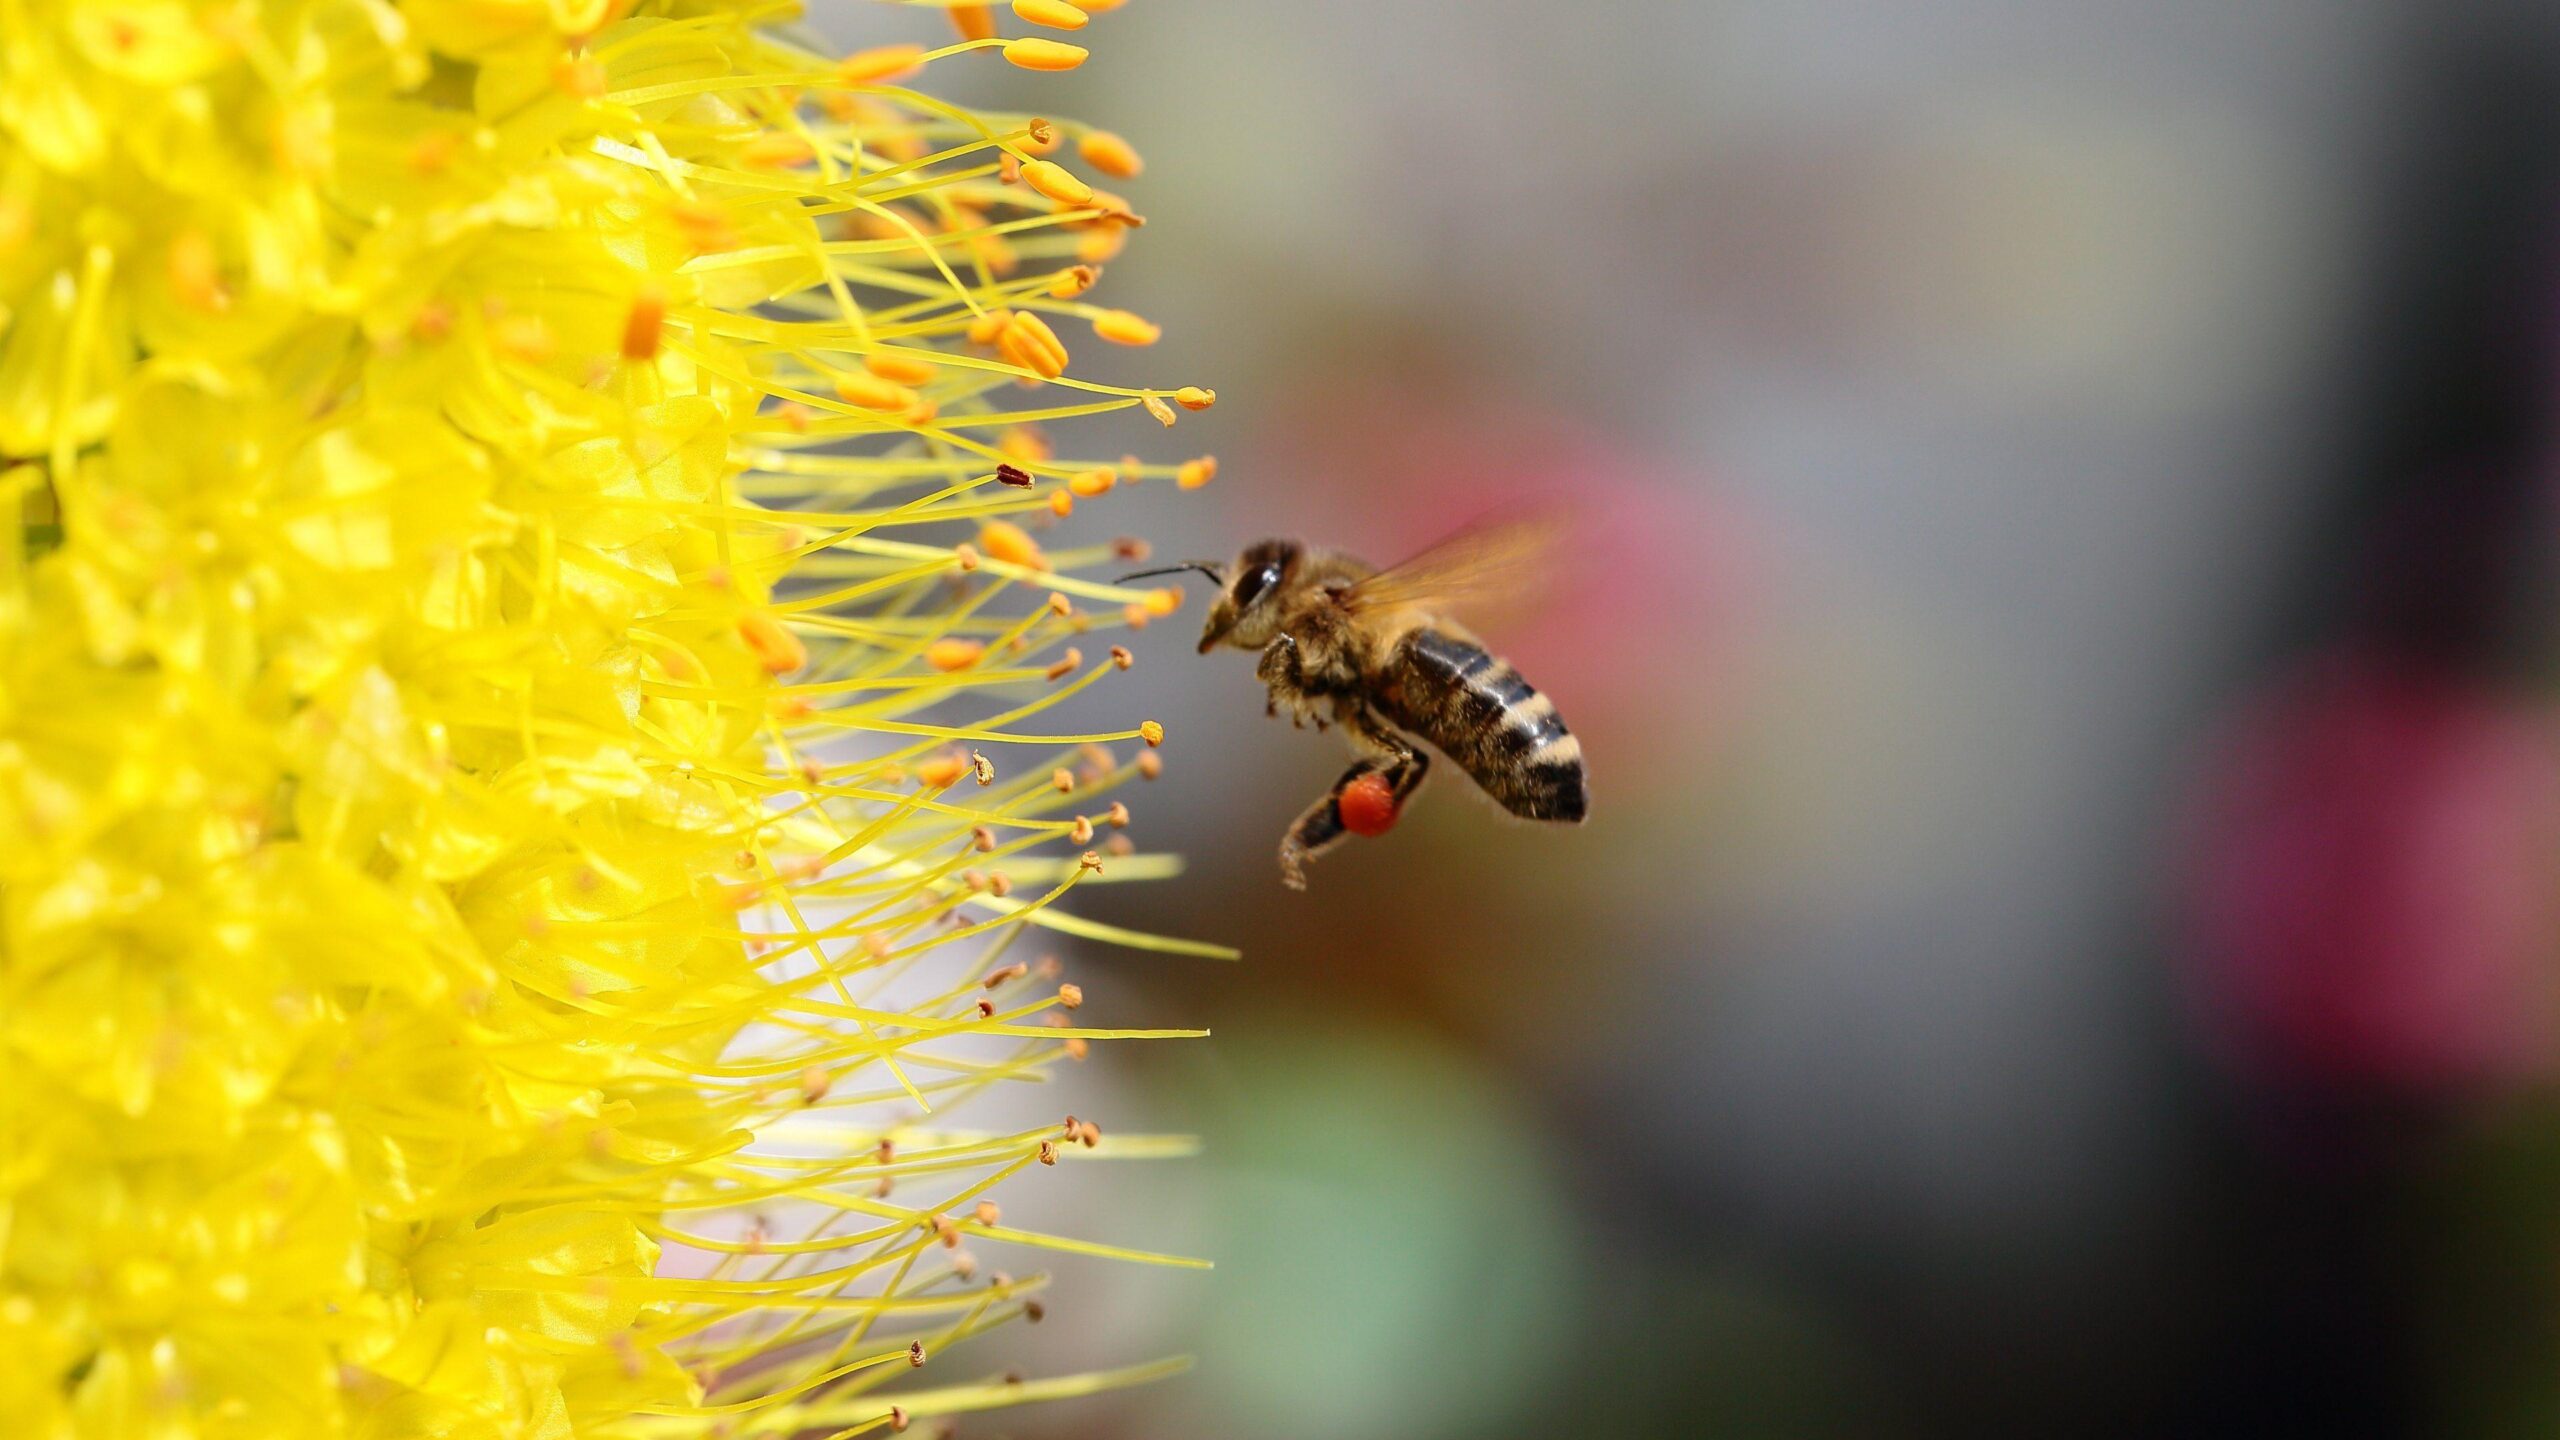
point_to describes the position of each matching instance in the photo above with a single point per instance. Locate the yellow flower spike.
(880, 65)
(534, 600)
(1110, 154)
(1034, 52)
(1056, 14)
(1053, 180)
(1120, 327)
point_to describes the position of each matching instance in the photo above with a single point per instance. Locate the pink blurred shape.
(1653, 589)
(2371, 884)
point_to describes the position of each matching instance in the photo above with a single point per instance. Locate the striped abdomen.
(1483, 716)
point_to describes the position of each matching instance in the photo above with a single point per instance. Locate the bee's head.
(1245, 614)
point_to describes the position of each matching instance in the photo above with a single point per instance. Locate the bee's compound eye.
(1251, 584)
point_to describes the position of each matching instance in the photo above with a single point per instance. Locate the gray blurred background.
(2057, 627)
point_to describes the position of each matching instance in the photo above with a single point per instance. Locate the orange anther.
(1066, 665)
(1057, 182)
(873, 393)
(580, 77)
(704, 227)
(1073, 281)
(1192, 474)
(1056, 14)
(1121, 327)
(1193, 397)
(1110, 154)
(643, 327)
(1035, 53)
(776, 649)
(431, 152)
(775, 150)
(950, 655)
(900, 369)
(879, 65)
(195, 272)
(1071, 996)
(1003, 540)
(1089, 483)
(941, 772)
(974, 22)
(1027, 341)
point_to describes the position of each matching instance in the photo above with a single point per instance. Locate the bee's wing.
(1500, 565)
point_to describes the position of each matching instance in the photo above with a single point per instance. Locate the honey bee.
(1377, 652)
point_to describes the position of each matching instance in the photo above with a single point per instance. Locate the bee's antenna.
(1217, 573)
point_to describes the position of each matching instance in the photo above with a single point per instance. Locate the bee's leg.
(1283, 670)
(1372, 736)
(1321, 827)
(1318, 829)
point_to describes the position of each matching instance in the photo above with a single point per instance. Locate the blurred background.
(2061, 627)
